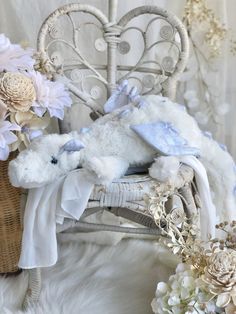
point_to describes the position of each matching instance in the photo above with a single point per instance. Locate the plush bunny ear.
(122, 97)
(163, 137)
(136, 98)
(72, 146)
(119, 98)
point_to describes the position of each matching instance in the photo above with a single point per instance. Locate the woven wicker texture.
(10, 222)
(129, 192)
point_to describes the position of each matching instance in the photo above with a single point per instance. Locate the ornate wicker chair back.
(91, 53)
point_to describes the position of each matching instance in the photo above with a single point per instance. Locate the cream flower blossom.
(17, 91)
(31, 127)
(220, 275)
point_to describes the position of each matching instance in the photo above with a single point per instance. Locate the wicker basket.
(10, 221)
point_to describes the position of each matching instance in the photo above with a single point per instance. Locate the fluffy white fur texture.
(165, 169)
(111, 136)
(34, 167)
(114, 168)
(94, 279)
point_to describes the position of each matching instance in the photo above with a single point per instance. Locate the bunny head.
(46, 159)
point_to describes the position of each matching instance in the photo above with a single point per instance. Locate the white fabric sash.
(208, 210)
(46, 206)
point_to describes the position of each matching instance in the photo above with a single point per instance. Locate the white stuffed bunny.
(129, 136)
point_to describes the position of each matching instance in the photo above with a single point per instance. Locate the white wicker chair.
(62, 58)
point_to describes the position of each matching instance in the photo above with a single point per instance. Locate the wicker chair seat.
(130, 191)
(125, 198)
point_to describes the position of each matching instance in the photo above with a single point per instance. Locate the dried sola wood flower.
(17, 91)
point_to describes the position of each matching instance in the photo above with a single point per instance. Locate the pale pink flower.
(7, 137)
(50, 96)
(14, 57)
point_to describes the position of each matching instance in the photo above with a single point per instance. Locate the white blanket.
(68, 197)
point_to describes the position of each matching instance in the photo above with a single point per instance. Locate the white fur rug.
(94, 279)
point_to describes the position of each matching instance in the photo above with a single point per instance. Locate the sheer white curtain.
(230, 81)
(20, 20)
(225, 10)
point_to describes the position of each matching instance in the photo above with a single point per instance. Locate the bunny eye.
(54, 161)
